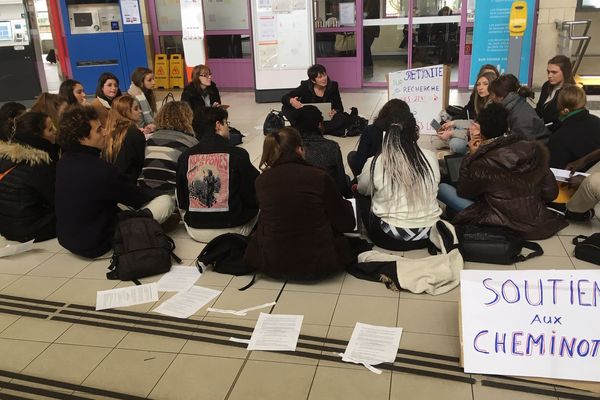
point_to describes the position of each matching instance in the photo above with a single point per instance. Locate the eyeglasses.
(206, 75)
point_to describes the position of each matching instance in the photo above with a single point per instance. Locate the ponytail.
(525, 91)
(283, 142)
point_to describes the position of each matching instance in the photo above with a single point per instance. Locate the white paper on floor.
(371, 345)
(127, 296)
(241, 312)
(186, 304)
(12, 249)
(179, 279)
(277, 332)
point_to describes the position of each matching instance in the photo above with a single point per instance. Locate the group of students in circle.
(67, 168)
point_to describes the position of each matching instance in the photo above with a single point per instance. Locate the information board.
(424, 89)
(532, 323)
(283, 40)
(491, 37)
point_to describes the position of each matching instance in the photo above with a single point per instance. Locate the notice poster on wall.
(131, 12)
(283, 38)
(425, 90)
(532, 323)
(491, 38)
(192, 27)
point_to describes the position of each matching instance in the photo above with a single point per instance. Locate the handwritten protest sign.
(424, 89)
(532, 323)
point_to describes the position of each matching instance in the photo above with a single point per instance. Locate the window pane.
(334, 13)
(385, 50)
(341, 44)
(424, 8)
(436, 44)
(218, 15)
(228, 46)
(168, 14)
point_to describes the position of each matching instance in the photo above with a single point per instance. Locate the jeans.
(447, 195)
(458, 145)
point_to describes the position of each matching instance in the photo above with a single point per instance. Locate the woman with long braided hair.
(398, 187)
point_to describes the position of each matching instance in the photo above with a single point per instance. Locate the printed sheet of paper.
(277, 332)
(563, 175)
(12, 249)
(373, 344)
(179, 279)
(128, 296)
(186, 304)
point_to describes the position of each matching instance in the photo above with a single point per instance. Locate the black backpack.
(494, 245)
(273, 123)
(140, 248)
(359, 124)
(587, 248)
(226, 254)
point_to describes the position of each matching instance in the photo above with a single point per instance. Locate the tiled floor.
(54, 345)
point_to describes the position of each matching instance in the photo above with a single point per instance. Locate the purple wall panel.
(232, 73)
(345, 70)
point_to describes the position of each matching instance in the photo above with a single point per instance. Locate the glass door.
(435, 37)
(385, 39)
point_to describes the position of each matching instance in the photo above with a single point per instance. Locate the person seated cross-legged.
(215, 184)
(90, 190)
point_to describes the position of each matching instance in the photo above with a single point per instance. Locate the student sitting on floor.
(142, 82)
(579, 132)
(372, 137)
(454, 133)
(106, 91)
(52, 105)
(215, 184)
(505, 181)
(73, 92)
(318, 88)
(88, 188)
(522, 118)
(398, 189)
(125, 143)
(173, 136)
(321, 152)
(302, 215)
(28, 164)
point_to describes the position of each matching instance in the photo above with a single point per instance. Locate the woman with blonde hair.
(173, 136)
(579, 132)
(125, 145)
(302, 217)
(51, 104)
(142, 82)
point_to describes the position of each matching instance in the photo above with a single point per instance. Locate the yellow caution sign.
(161, 71)
(176, 71)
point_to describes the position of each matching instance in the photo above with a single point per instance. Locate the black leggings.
(373, 225)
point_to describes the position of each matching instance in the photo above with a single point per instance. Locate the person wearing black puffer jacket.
(28, 167)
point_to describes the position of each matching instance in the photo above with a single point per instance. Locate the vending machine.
(103, 36)
(20, 56)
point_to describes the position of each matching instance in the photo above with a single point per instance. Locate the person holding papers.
(318, 88)
(579, 133)
(508, 179)
(299, 235)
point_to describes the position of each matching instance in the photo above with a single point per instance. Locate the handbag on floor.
(494, 245)
(587, 248)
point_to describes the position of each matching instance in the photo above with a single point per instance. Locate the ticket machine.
(103, 36)
(19, 74)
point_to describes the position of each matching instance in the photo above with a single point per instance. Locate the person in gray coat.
(522, 118)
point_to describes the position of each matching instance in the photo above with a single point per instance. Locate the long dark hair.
(276, 145)
(389, 113)
(137, 77)
(509, 83)
(101, 81)
(402, 159)
(66, 91)
(480, 102)
(31, 123)
(8, 112)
